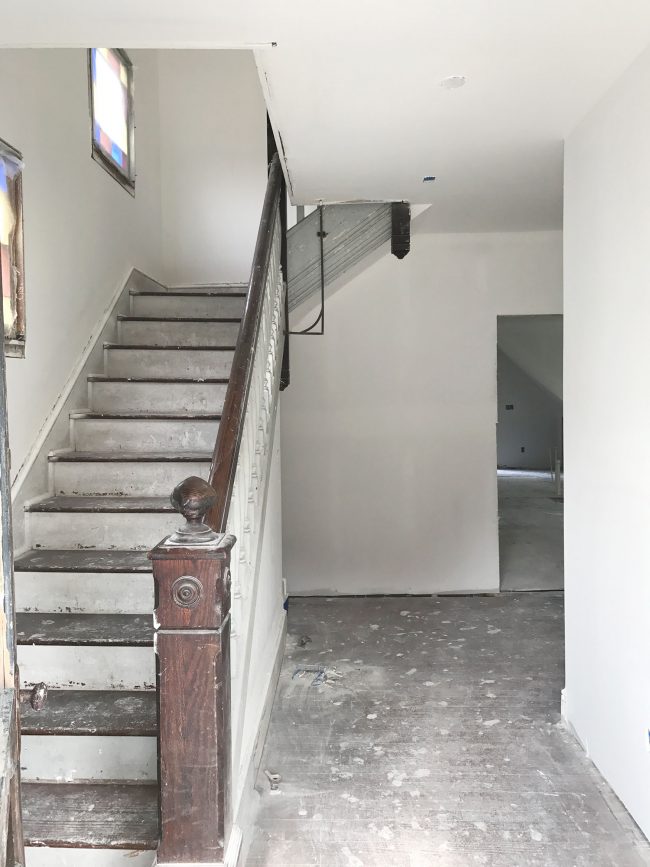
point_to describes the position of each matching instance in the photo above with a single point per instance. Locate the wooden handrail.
(226, 449)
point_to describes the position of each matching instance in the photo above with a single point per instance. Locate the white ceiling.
(354, 88)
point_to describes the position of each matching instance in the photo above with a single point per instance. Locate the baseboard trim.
(308, 594)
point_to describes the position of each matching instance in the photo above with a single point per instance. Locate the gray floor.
(435, 740)
(531, 519)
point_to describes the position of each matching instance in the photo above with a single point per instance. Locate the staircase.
(85, 590)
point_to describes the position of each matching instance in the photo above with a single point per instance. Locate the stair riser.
(45, 857)
(168, 363)
(66, 758)
(85, 593)
(192, 305)
(178, 333)
(144, 435)
(87, 667)
(156, 396)
(146, 479)
(130, 530)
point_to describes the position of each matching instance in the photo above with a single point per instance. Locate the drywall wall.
(83, 232)
(213, 158)
(529, 421)
(607, 428)
(388, 427)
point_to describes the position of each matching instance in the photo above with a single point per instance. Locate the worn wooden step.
(119, 394)
(188, 362)
(177, 331)
(145, 433)
(84, 630)
(207, 303)
(222, 288)
(91, 712)
(130, 474)
(86, 651)
(102, 504)
(40, 560)
(78, 580)
(91, 816)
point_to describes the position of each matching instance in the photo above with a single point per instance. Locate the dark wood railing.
(192, 583)
(226, 450)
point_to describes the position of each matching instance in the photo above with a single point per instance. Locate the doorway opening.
(530, 453)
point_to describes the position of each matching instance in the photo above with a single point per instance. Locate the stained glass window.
(11, 250)
(111, 93)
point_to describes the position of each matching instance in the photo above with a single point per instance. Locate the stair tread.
(102, 503)
(92, 816)
(155, 347)
(153, 416)
(102, 377)
(193, 293)
(145, 457)
(89, 630)
(91, 712)
(82, 560)
(125, 317)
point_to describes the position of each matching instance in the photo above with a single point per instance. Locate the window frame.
(14, 347)
(124, 179)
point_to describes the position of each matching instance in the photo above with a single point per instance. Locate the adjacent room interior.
(529, 452)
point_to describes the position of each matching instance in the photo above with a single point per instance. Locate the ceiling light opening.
(453, 82)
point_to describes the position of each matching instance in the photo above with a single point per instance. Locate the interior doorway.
(529, 452)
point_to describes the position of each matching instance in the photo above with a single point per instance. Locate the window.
(11, 250)
(111, 105)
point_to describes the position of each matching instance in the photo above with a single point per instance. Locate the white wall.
(213, 151)
(607, 428)
(83, 232)
(388, 431)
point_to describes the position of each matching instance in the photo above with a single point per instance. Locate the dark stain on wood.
(82, 560)
(90, 630)
(103, 504)
(90, 816)
(91, 712)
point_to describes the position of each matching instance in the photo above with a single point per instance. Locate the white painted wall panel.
(213, 151)
(607, 426)
(83, 232)
(388, 434)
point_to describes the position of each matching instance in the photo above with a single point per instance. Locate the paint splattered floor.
(435, 740)
(531, 531)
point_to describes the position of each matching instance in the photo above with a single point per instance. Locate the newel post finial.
(193, 498)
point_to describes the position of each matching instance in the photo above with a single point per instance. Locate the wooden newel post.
(191, 570)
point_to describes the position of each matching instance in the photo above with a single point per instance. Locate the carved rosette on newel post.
(191, 571)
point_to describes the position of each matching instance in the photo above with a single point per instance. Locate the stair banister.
(229, 436)
(192, 576)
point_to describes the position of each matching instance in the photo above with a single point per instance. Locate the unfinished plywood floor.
(531, 531)
(435, 741)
